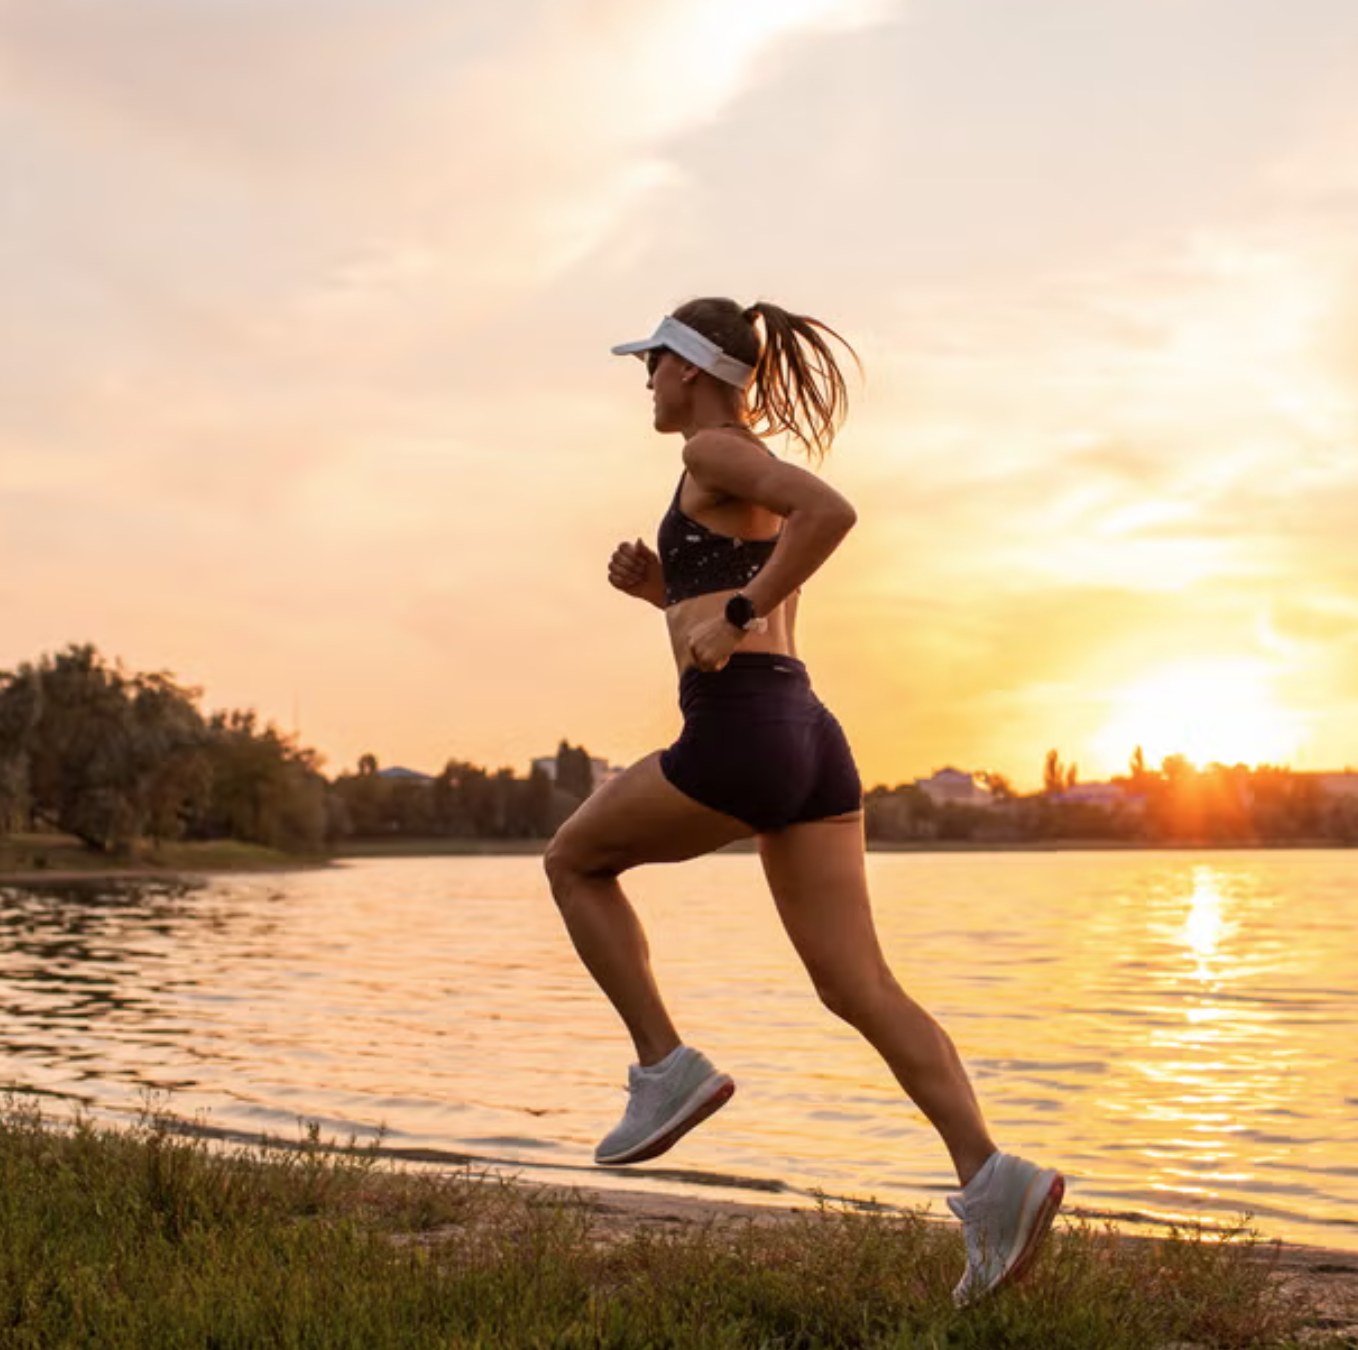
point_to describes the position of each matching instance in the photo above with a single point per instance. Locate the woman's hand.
(712, 642)
(634, 569)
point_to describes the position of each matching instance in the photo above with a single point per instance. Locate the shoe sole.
(1041, 1225)
(711, 1097)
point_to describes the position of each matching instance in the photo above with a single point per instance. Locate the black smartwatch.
(740, 612)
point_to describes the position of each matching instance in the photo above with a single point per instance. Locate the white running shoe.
(1006, 1210)
(665, 1102)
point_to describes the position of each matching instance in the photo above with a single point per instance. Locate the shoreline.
(621, 1208)
(1328, 1276)
(29, 859)
(437, 848)
(102, 869)
(70, 876)
(664, 1195)
(635, 1207)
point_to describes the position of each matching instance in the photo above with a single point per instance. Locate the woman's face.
(669, 389)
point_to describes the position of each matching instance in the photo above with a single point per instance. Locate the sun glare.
(1219, 712)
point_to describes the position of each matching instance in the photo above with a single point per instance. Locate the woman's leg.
(816, 873)
(638, 817)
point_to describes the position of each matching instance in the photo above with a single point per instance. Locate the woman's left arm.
(815, 517)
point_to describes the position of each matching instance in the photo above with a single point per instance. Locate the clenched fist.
(712, 642)
(635, 570)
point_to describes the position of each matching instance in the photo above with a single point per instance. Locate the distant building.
(1335, 787)
(600, 769)
(405, 775)
(1109, 796)
(1335, 784)
(953, 787)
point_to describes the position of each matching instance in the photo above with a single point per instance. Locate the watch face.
(739, 611)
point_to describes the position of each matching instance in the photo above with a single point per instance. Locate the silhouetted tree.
(1053, 774)
(108, 757)
(264, 787)
(1000, 786)
(894, 815)
(574, 773)
(20, 712)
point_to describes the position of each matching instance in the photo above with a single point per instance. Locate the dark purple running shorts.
(759, 745)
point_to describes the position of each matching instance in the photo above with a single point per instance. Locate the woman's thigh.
(640, 817)
(818, 878)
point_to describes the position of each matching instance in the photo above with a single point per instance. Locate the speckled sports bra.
(697, 561)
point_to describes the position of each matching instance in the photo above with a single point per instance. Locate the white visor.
(692, 346)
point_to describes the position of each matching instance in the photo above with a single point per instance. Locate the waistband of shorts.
(746, 664)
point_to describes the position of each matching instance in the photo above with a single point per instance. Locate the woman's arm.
(815, 517)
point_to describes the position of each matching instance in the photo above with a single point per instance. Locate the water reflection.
(69, 949)
(1205, 926)
(1212, 1066)
(1162, 1026)
(93, 971)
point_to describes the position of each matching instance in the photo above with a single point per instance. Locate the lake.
(1174, 1030)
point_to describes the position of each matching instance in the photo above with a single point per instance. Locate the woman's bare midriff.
(779, 638)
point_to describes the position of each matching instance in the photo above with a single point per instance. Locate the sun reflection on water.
(1205, 1073)
(1205, 926)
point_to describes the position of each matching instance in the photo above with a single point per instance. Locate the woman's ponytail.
(798, 386)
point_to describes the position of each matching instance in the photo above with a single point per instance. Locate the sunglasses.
(653, 359)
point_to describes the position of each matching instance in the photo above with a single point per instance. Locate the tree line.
(123, 761)
(1177, 803)
(463, 801)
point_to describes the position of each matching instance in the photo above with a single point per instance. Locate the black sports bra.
(697, 561)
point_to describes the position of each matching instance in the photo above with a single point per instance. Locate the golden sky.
(305, 392)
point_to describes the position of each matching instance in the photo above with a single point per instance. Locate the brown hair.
(798, 386)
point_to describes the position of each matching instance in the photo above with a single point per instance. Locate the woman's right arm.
(635, 570)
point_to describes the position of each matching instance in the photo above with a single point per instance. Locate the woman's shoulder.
(715, 444)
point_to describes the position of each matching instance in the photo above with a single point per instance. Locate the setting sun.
(1211, 712)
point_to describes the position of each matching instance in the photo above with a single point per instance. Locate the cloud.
(978, 144)
(417, 133)
(308, 307)
(283, 264)
(387, 183)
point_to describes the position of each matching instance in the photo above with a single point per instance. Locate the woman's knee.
(854, 996)
(558, 863)
(568, 859)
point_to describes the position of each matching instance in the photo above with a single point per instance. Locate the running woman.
(759, 755)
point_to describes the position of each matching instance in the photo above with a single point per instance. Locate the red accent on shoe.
(668, 1140)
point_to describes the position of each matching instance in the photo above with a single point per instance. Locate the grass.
(151, 1237)
(59, 854)
(226, 855)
